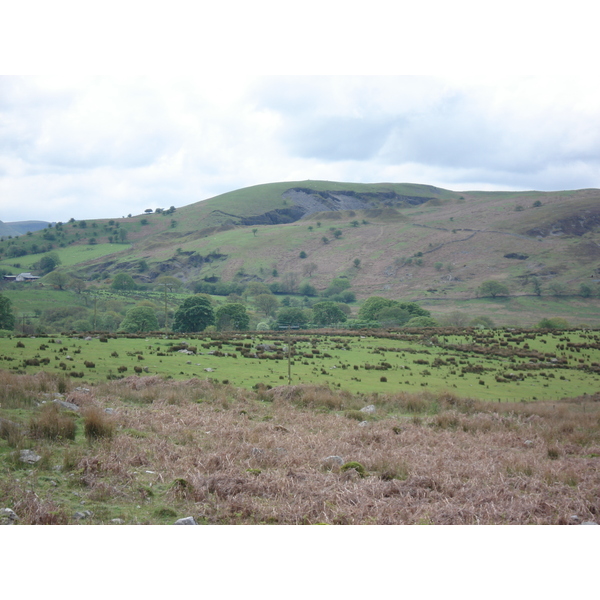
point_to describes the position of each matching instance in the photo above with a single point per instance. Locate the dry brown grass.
(225, 455)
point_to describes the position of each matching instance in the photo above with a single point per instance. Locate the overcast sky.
(93, 146)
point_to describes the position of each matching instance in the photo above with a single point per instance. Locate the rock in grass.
(370, 410)
(186, 521)
(82, 515)
(589, 523)
(29, 457)
(8, 516)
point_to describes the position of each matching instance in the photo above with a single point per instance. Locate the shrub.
(97, 425)
(356, 466)
(51, 424)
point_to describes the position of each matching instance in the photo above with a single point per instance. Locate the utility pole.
(289, 350)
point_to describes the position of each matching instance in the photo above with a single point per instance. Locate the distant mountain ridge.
(16, 228)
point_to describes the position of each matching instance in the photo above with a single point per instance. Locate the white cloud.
(94, 147)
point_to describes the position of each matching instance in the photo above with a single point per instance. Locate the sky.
(106, 136)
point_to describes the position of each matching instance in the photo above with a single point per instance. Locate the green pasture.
(547, 368)
(69, 256)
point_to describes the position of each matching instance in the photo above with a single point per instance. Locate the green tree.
(393, 316)
(482, 321)
(585, 291)
(194, 314)
(537, 286)
(327, 313)
(267, 304)
(48, 263)
(7, 319)
(123, 281)
(58, 279)
(291, 316)
(554, 323)
(421, 322)
(493, 289)
(373, 305)
(139, 319)
(232, 316)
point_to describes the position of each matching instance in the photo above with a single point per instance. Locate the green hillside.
(401, 241)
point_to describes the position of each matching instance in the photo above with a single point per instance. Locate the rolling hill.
(403, 241)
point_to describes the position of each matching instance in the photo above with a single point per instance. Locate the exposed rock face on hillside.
(578, 225)
(313, 201)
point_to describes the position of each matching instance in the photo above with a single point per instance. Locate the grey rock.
(589, 523)
(8, 516)
(68, 405)
(528, 443)
(29, 457)
(186, 521)
(332, 461)
(109, 411)
(117, 521)
(363, 424)
(575, 518)
(82, 515)
(369, 409)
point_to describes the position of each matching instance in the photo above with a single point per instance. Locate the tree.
(421, 322)
(77, 284)
(256, 288)
(58, 279)
(291, 316)
(139, 319)
(289, 283)
(537, 286)
(302, 254)
(554, 323)
(393, 316)
(122, 235)
(356, 262)
(48, 263)
(171, 283)
(337, 286)
(123, 281)
(373, 305)
(585, 291)
(232, 316)
(493, 289)
(327, 313)
(309, 269)
(266, 303)
(7, 319)
(482, 321)
(254, 231)
(194, 314)
(455, 319)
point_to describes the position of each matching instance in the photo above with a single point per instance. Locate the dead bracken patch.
(227, 455)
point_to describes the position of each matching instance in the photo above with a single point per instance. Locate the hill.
(17, 228)
(402, 241)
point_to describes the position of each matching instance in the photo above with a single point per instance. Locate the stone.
(68, 405)
(363, 424)
(369, 409)
(82, 515)
(29, 457)
(528, 443)
(186, 521)
(8, 516)
(589, 523)
(117, 521)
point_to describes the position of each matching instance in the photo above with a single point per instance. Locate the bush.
(51, 424)
(97, 425)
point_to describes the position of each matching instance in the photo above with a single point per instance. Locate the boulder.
(8, 516)
(370, 410)
(29, 457)
(186, 521)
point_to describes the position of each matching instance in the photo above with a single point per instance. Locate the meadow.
(494, 365)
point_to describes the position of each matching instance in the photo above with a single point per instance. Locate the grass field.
(493, 366)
